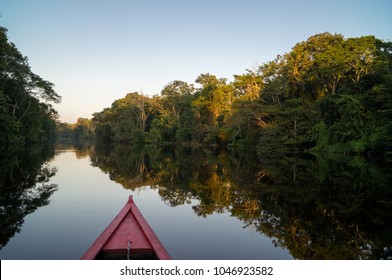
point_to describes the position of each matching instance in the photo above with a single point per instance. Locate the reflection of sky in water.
(87, 200)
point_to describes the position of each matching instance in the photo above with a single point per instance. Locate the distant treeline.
(26, 115)
(79, 131)
(327, 94)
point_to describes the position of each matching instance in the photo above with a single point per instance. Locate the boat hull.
(128, 236)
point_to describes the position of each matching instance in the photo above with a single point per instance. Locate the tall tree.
(248, 86)
(175, 101)
(25, 98)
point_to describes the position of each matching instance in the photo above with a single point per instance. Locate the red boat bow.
(128, 228)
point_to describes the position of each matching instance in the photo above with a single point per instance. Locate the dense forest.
(328, 94)
(26, 113)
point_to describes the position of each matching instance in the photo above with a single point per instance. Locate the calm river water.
(201, 204)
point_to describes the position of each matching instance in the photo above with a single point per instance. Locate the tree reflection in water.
(24, 187)
(316, 207)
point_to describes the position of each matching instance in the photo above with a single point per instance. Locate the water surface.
(202, 204)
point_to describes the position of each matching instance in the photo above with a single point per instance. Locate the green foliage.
(80, 131)
(248, 86)
(346, 81)
(291, 127)
(322, 136)
(26, 114)
(127, 121)
(327, 94)
(213, 102)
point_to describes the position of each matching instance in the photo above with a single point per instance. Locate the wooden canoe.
(128, 229)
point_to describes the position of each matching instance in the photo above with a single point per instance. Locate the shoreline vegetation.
(26, 111)
(329, 94)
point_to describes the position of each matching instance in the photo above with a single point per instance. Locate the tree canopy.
(328, 93)
(26, 112)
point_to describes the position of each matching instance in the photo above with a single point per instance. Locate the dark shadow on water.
(24, 186)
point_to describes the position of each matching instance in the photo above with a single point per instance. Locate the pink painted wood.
(128, 225)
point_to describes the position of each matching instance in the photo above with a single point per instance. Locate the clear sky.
(96, 51)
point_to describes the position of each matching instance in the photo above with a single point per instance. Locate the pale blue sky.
(97, 51)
